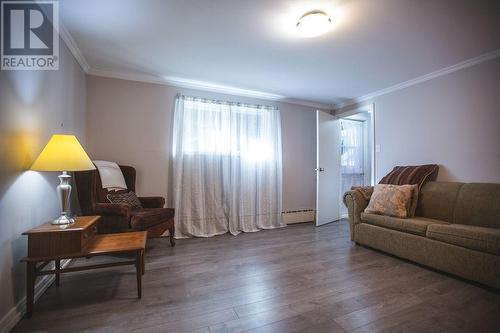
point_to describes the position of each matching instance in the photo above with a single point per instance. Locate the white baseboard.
(17, 312)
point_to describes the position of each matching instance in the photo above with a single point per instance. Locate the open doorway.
(357, 152)
(345, 158)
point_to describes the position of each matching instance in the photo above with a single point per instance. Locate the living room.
(224, 166)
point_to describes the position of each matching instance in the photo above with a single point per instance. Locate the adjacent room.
(250, 166)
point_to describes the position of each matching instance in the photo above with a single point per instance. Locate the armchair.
(152, 218)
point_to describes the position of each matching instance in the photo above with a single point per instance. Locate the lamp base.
(63, 219)
(64, 192)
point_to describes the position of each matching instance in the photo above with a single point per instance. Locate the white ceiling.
(252, 44)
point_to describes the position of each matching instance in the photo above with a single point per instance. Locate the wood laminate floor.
(296, 279)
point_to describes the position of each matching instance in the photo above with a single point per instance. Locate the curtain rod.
(218, 101)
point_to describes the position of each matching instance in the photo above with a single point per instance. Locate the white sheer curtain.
(352, 155)
(227, 167)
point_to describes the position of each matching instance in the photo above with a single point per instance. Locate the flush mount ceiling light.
(314, 23)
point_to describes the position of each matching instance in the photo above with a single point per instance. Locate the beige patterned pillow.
(392, 200)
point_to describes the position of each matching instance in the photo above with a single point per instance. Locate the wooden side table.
(49, 242)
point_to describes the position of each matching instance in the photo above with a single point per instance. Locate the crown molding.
(311, 104)
(219, 88)
(204, 86)
(178, 81)
(126, 76)
(214, 87)
(73, 47)
(420, 79)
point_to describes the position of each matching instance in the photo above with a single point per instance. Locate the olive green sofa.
(456, 229)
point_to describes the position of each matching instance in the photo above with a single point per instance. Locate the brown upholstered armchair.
(120, 217)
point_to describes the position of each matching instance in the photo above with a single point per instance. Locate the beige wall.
(33, 105)
(452, 120)
(130, 122)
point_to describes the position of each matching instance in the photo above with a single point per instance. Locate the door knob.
(319, 169)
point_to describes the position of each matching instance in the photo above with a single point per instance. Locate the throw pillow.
(129, 198)
(418, 174)
(391, 200)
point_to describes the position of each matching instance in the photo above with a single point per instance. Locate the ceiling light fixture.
(314, 23)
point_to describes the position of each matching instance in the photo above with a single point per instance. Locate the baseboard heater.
(298, 216)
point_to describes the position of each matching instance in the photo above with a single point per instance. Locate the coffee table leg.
(138, 272)
(58, 274)
(143, 263)
(30, 287)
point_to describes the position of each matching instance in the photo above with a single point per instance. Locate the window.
(227, 167)
(214, 127)
(352, 147)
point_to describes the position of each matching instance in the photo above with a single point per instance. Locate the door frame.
(369, 108)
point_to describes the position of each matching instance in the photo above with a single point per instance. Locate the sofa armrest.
(356, 202)
(152, 202)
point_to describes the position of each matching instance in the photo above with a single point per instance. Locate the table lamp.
(63, 153)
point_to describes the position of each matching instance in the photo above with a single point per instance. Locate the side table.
(50, 242)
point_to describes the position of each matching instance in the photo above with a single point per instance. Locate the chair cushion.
(482, 239)
(414, 225)
(144, 218)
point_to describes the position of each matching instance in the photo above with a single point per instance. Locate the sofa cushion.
(414, 225)
(476, 238)
(142, 219)
(478, 204)
(437, 200)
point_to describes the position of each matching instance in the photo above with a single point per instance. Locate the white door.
(328, 180)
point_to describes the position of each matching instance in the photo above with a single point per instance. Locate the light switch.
(377, 148)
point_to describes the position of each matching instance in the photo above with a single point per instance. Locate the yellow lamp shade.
(63, 153)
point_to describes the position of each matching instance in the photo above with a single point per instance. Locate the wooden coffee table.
(49, 242)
